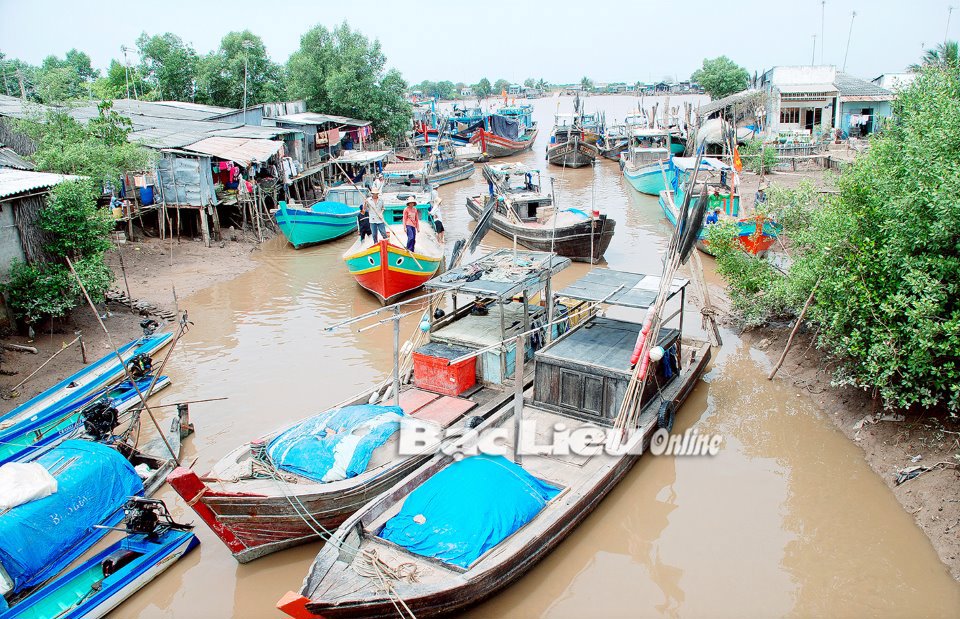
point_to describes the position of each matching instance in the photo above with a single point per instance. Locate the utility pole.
(813, 55)
(246, 54)
(946, 33)
(23, 91)
(849, 34)
(823, 19)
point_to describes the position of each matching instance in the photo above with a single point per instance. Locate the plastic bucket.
(146, 195)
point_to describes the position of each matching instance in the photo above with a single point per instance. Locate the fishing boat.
(510, 131)
(568, 145)
(279, 491)
(464, 526)
(386, 268)
(439, 169)
(152, 543)
(756, 234)
(80, 386)
(93, 478)
(616, 137)
(525, 212)
(645, 161)
(22, 439)
(331, 218)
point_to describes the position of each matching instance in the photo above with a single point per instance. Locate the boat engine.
(139, 366)
(149, 325)
(149, 517)
(100, 417)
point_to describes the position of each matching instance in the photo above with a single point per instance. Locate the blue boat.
(331, 218)
(21, 440)
(82, 385)
(646, 159)
(98, 585)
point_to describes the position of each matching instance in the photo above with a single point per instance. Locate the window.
(790, 115)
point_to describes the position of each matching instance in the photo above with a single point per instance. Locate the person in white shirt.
(435, 201)
(374, 207)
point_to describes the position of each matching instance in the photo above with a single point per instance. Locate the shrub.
(753, 151)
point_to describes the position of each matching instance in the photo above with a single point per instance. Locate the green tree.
(340, 71)
(884, 250)
(75, 225)
(530, 83)
(169, 65)
(720, 77)
(586, 84)
(500, 86)
(220, 74)
(13, 72)
(542, 84)
(58, 84)
(482, 89)
(943, 55)
(447, 90)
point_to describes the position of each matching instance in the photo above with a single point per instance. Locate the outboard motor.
(149, 325)
(149, 517)
(99, 418)
(139, 366)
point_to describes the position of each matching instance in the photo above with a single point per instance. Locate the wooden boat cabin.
(647, 146)
(520, 185)
(494, 298)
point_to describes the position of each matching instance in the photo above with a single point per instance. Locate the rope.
(368, 564)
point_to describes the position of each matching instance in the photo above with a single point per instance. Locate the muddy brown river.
(787, 520)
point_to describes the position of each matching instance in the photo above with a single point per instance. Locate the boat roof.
(643, 132)
(707, 163)
(405, 167)
(510, 168)
(620, 288)
(362, 156)
(504, 273)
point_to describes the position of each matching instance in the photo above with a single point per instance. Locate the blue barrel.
(146, 195)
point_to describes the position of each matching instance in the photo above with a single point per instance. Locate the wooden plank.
(445, 410)
(413, 400)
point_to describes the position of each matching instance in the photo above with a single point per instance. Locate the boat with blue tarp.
(465, 525)
(276, 492)
(508, 131)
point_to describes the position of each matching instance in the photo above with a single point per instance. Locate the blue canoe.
(83, 384)
(23, 439)
(101, 583)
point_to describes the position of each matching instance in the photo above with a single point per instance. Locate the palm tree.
(586, 84)
(542, 84)
(943, 55)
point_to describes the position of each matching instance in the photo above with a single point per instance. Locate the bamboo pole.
(52, 357)
(793, 332)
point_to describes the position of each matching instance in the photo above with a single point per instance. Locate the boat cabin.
(585, 372)
(714, 174)
(648, 146)
(357, 167)
(494, 299)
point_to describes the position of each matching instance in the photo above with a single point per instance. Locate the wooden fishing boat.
(152, 543)
(421, 546)
(333, 217)
(80, 386)
(439, 169)
(510, 131)
(569, 144)
(646, 160)
(19, 441)
(94, 476)
(257, 505)
(525, 212)
(493, 145)
(756, 234)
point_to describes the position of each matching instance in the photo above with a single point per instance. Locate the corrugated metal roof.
(405, 166)
(854, 87)
(252, 131)
(310, 118)
(13, 107)
(362, 156)
(10, 159)
(13, 182)
(241, 150)
(212, 110)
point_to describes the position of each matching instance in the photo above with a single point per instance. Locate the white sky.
(559, 40)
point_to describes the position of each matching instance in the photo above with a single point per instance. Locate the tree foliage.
(36, 292)
(586, 83)
(720, 77)
(220, 74)
(439, 90)
(886, 251)
(500, 86)
(482, 89)
(756, 158)
(944, 55)
(340, 71)
(169, 65)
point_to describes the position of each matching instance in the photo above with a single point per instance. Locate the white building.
(894, 81)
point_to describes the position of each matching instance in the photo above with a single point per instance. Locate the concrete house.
(811, 100)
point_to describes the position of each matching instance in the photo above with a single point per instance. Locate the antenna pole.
(823, 20)
(849, 34)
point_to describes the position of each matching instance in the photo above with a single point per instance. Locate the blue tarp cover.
(468, 508)
(93, 483)
(504, 127)
(336, 444)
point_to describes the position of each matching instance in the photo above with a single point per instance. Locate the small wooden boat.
(756, 234)
(526, 212)
(462, 527)
(333, 217)
(646, 160)
(510, 131)
(257, 504)
(20, 440)
(95, 477)
(153, 542)
(440, 169)
(81, 385)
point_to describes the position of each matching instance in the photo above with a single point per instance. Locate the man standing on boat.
(374, 207)
(435, 201)
(411, 222)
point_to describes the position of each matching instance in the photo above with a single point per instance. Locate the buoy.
(425, 326)
(656, 353)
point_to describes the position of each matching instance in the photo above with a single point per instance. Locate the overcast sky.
(558, 40)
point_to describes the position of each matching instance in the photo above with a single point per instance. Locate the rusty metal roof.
(241, 150)
(13, 182)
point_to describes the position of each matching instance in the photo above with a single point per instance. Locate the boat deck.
(475, 331)
(603, 342)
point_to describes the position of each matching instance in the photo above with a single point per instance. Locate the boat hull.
(647, 179)
(318, 224)
(572, 242)
(451, 175)
(496, 146)
(389, 271)
(574, 153)
(755, 234)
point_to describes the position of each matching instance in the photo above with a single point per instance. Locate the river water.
(787, 520)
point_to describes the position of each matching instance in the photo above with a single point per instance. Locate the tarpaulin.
(468, 508)
(93, 483)
(336, 444)
(504, 127)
